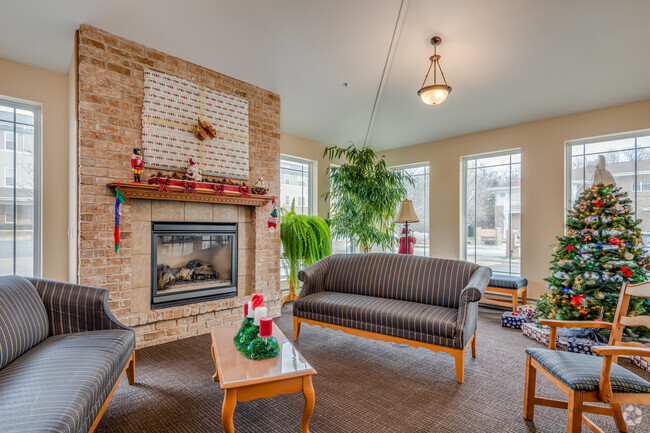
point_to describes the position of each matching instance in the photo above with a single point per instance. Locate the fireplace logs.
(194, 270)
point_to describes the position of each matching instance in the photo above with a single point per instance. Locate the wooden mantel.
(177, 193)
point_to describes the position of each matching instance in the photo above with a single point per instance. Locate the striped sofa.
(421, 301)
(62, 354)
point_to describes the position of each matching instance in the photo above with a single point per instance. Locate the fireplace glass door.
(193, 262)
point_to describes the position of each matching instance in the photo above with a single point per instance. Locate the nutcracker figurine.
(136, 164)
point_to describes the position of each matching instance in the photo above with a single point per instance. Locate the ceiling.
(508, 61)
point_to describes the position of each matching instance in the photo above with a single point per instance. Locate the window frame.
(36, 109)
(568, 158)
(425, 164)
(309, 188)
(463, 203)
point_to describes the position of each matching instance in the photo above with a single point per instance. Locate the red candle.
(266, 327)
(257, 300)
(245, 309)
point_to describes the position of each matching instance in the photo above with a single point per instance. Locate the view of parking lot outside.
(492, 234)
(628, 159)
(18, 127)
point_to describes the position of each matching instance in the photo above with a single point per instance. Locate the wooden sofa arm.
(554, 324)
(575, 323)
(621, 351)
(609, 354)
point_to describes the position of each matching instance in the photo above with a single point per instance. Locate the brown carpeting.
(362, 386)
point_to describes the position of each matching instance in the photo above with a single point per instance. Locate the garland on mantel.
(218, 185)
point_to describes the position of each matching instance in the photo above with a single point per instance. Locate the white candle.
(260, 312)
(251, 312)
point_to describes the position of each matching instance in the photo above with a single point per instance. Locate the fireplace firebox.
(192, 262)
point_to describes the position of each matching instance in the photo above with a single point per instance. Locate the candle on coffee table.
(259, 313)
(266, 327)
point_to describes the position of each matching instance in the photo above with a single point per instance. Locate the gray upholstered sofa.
(421, 301)
(62, 354)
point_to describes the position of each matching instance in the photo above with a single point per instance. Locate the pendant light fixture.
(436, 93)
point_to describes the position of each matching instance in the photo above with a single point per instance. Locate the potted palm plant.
(305, 240)
(364, 197)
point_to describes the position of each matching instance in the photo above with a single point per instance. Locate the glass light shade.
(434, 95)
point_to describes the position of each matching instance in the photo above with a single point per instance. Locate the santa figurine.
(137, 164)
(402, 243)
(194, 172)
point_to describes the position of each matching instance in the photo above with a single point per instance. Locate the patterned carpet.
(361, 386)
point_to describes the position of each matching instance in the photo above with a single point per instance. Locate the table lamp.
(407, 215)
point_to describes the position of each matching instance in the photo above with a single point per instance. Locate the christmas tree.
(601, 251)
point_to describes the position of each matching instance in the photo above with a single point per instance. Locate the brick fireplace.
(110, 72)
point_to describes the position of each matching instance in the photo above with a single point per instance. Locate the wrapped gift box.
(537, 332)
(582, 345)
(513, 320)
(641, 362)
(528, 310)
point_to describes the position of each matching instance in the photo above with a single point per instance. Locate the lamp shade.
(434, 95)
(407, 213)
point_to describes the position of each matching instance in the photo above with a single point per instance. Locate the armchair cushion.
(410, 320)
(61, 384)
(23, 319)
(582, 372)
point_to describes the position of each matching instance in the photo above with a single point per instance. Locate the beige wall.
(542, 146)
(50, 89)
(299, 147)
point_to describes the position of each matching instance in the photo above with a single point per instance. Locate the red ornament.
(257, 300)
(266, 327)
(614, 241)
(626, 271)
(570, 247)
(583, 312)
(576, 300)
(599, 203)
(588, 237)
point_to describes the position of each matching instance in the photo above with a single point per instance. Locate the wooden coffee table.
(243, 379)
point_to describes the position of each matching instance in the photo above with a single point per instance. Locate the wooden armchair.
(586, 378)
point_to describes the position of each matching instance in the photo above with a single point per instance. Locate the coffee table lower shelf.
(244, 380)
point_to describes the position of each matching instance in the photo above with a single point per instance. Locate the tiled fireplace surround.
(110, 102)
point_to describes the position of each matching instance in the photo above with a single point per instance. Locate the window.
(297, 184)
(419, 194)
(9, 176)
(19, 195)
(628, 159)
(9, 143)
(296, 175)
(492, 202)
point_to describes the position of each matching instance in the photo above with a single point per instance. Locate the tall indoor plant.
(364, 196)
(305, 240)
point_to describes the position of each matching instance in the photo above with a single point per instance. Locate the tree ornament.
(273, 219)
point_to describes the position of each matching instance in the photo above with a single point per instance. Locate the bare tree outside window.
(492, 217)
